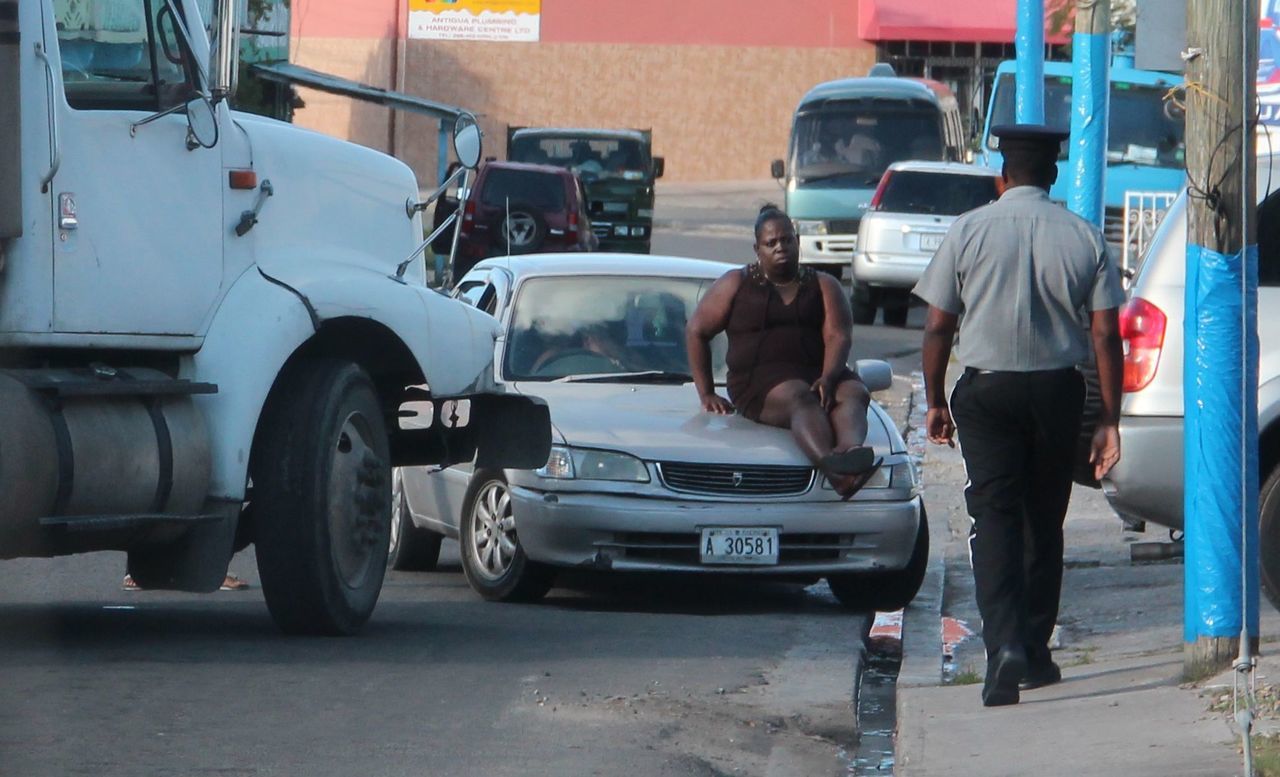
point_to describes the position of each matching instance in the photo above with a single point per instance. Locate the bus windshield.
(1144, 130)
(855, 142)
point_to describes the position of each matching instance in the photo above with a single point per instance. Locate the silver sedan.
(640, 478)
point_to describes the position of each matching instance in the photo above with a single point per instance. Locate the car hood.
(664, 423)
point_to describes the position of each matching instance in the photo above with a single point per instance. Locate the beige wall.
(717, 113)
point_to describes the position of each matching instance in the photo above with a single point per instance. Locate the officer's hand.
(939, 426)
(1104, 451)
(714, 403)
(825, 388)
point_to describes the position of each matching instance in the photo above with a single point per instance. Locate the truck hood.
(665, 423)
(821, 203)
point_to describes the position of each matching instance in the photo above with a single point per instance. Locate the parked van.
(844, 135)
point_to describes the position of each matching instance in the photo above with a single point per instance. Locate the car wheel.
(863, 302)
(886, 591)
(322, 498)
(495, 564)
(411, 549)
(1269, 537)
(896, 310)
(522, 227)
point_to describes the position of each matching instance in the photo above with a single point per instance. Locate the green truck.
(616, 167)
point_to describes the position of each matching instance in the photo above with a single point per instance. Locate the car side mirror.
(876, 374)
(659, 166)
(778, 169)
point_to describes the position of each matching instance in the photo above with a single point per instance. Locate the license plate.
(726, 545)
(930, 242)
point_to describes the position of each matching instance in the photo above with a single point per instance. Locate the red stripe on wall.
(794, 23)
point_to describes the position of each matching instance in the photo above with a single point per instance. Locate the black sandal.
(854, 461)
(860, 480)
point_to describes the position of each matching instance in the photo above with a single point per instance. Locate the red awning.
(959, 21)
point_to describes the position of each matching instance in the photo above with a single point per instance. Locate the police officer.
(1025, 275)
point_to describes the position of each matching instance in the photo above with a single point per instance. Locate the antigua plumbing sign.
(488, 20)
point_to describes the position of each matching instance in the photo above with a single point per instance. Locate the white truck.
(214, 329)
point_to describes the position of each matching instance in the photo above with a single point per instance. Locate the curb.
(922, 619)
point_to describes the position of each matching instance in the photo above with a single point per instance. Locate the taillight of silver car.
(1142, 327)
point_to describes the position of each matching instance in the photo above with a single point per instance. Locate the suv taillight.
(884, 183)
(468, 218)
(573, 229)
(1142, 326)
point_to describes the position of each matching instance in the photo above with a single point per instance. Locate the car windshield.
(544, 190)
(628, 326)
(855, 141)
(1143, 130)
(590, 157)
(941, 194)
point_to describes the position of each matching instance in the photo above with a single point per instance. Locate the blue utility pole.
(1029, 71)
(1090, 110)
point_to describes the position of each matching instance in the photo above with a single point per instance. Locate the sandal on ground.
(129, 584)
(854, 461)
(233, 583)
(858, 481)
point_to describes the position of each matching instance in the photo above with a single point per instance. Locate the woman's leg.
(791, 405)
(849, 414)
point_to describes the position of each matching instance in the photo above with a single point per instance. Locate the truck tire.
(322, 498)
(411, 548)
(1269, 537)
(886, 591)
(864, 305)
(488, 517)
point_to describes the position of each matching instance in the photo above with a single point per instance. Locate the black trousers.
(1018, 434)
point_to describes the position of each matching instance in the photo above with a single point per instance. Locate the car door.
(139, 248)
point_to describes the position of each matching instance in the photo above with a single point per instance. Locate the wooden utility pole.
(1222, 60)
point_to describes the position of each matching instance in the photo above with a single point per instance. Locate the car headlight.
(807, 227)
(900, 475)
(589, 464)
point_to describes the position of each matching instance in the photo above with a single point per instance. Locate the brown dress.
(771, 341)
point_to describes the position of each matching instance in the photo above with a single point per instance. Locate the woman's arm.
(708, 320)
(837, 327)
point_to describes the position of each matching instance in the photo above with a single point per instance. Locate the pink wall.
(807, 24)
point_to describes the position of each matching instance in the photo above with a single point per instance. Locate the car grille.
(843, 226)
(683, 548)
(735, 480)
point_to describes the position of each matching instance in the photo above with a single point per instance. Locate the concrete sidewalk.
(1122, 708)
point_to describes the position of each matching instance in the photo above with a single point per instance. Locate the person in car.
(789, 336)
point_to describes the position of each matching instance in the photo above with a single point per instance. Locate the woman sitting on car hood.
(788, 329)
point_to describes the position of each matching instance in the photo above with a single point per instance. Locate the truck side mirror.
(202, 124)
(778, 169)
(467, 141)
(659, 166)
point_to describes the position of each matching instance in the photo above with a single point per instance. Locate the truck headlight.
(808, 227)
(566, 463)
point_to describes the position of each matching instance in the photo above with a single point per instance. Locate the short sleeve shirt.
(1023, 273)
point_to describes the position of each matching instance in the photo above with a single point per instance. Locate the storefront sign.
(489, 20)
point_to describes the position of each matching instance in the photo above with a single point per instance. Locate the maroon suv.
(523, 209)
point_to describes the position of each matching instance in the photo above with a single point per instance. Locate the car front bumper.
(896, 270)
(624, 533)
(1146, 484)
(828, 250)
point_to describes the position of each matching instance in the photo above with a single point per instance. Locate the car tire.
(499, 571)
(526, 226)
(863, 302)
(886, 591)
(896, 310)
(322, 497)
(411, 549)
(1269, 537)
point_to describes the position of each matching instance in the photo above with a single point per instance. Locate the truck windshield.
(853, 143)
(1144, 129)
(590, 157)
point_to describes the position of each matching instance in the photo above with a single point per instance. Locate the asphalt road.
(608, 676)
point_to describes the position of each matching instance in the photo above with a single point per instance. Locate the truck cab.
(214, 327)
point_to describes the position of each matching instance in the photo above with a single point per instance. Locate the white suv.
(1147, 484)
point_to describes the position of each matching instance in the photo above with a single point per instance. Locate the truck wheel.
(1269, 537)
(321, 497)
(411, 549)
(863, 302)
(495, 564)
(886, 591)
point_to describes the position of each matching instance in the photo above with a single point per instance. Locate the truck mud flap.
(497, 431)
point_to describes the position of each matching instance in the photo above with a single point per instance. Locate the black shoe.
(1003, 674)
(1039, 675)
